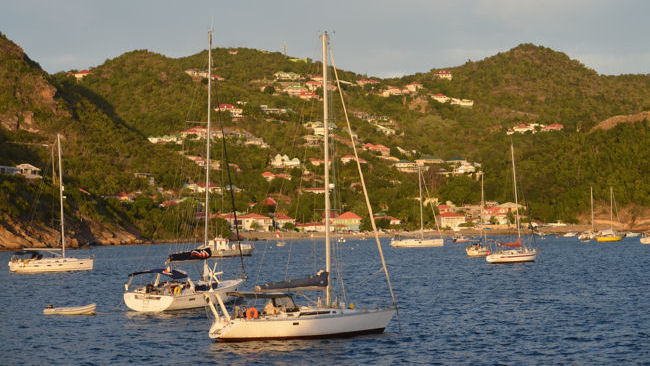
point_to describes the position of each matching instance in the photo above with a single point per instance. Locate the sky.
(378, 38)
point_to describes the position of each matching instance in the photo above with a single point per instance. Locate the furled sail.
(195, 254)
(514, 244)
(174, 274)
(311, 283)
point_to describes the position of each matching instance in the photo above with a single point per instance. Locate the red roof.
(268, 174)
(84, 72)
(269, 202)
(450, 214)
(439, 95)
(283, 217)
(349, 216)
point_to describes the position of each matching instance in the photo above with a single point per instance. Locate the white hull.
(72, 310)
(47, 265)
(232, 252)
(512, 256)
(141, 301)
(645, 240)
(476, 252)
(304, 324)
(417, 243)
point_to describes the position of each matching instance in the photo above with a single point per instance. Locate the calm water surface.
(577, 304)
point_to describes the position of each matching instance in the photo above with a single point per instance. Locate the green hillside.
(106, 117)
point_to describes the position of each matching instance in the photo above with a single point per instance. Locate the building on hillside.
(391, 90)
(10, 170)
(233, 52)
(294, 90)
(82, 74)
(283, 161)
(451, 220)
(392, 220)
(283, 75)
(267, 110)
(235, 112)
(364, 82)
(350, 158)
(29, 171)
(553, 127)
(281, 220)
(443, 74)
(381, 149)
(311, 227)
(349, 220)
(428, 160)
(413, 87)
(307, 95)
(440, 98)
(406, 166)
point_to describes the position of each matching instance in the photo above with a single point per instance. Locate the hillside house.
(413, 87)
(29, 171)
(10, 170)
(443, 74)
(235, 112)
(392, 220)
(283, 161)
(350, 158)
(406, 166)
(307, 95)
(553, 127)
(381, 149)
(233, 52)
(82, 74)
(283, 75)
(440, 98)
(391, 90)
(451, 220)
(428, 160)
(364, 82)
(349, 220)
(294, 90)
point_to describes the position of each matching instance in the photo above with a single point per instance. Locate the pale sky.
(379, 38)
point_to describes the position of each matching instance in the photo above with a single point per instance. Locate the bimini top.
(174, 274)
(196, 254)
(311, 283)
(257, 295)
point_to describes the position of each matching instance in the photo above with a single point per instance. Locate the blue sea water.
(577, 304)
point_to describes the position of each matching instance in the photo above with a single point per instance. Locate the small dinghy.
(71, 310)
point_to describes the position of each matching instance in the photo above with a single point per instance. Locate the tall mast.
(58, 140)
(514, 179)
(421, 203)
(328, 290)
(207, 143)
(591, 193)
(482, 208)
(611, 208)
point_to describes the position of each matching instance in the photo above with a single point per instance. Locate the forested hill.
(107, 115)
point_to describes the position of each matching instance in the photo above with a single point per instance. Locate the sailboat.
(519, 253)
(36, 262)
(420, 242)
(479, 249)
(609, 234)
(589, 235)
(281, 318)
(176, 291)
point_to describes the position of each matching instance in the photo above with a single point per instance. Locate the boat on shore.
(645, 239)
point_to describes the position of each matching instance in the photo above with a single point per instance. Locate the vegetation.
(106, 117)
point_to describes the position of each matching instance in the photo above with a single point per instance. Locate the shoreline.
(270, 236)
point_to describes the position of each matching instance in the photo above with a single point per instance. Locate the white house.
(283, 161)
(451, 219)
(440, 98)
(443, 74)
(29, 171)
(235, 112)
(282, 75)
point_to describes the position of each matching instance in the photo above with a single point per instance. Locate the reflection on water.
(578, 303)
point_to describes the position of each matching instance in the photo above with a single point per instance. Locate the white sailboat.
(609, 234)
(281, 318)
(589, 235)
(221, 248)
(519, 253)
(420, 242)
(178, 291)
(645, 238)
(479, 249)
(36, 262)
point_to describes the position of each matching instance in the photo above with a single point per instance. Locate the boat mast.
(482, 208)
(328, 290)
(58, 140)
(421, 215)
(514, 179)
(611, 208)
(591, 193)
(207, 143)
